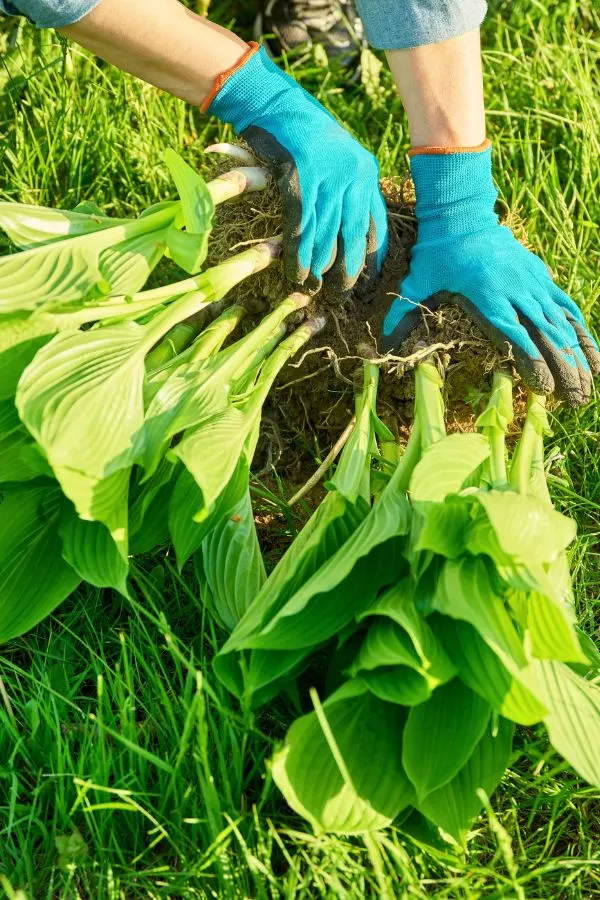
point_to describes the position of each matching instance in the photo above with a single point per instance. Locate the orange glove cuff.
(443, 151)
(222, 77)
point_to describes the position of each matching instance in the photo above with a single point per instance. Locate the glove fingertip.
(397, 325)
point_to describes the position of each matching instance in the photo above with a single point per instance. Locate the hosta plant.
(127, 416)
(447, 611)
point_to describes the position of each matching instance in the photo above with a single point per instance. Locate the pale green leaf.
(127, 266)
(27, 225)
(551, 626)
(67, 272)
(349, 780)
(446, 465)
(81, 398)
(211, 452)
(573, 723)
(100, 500)
(59, 271)
(189, 249)
(441, 734)
(20, 339)
(527, 529)
(197, 204)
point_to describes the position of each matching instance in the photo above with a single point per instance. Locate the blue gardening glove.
(334, 217)
(462, 248)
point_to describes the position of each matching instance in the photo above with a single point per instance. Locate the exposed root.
(327, 462)
(314, 395)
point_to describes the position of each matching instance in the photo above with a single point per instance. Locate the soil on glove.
(313, 399)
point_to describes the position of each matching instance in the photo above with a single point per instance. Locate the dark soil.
(313, 400)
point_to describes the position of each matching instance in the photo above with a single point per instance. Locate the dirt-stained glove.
(334, 217)
(462, 248)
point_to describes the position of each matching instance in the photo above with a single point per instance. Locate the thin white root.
(235, 151)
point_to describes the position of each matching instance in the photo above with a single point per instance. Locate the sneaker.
(334, 24)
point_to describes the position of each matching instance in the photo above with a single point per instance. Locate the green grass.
(125, 770)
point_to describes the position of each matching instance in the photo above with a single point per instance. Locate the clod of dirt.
(313, 399)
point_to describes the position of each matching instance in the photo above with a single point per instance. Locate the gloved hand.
(333, 212)
(462, 248)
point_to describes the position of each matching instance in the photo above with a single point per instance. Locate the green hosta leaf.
(60, 271)
(211, 453)
(91, 552)
(421, 830)
(144, 491)
(346, 583)
(483, 671)
(551, 625)
(9, 418)
(441, 528)
(455, 806)
(446, 465)
(465, 591)
(232, 564)
(527, 529)
(398, 684)
(398, 605)
(69, 271)
(189, 249)
(14, 463)
(186, 533)
(327, 530)
(386, 644)
(193, 393)
(20, 339)
(34, 578)
(154, 530)
(573, 723)
(81, 398)
(197, 204)
(590, 649)
(100, 500)
(28, 225)
(440, 735)
(370, 559)
(127, 266)
(350, 779)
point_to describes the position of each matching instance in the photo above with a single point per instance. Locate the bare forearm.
(441, 86)
(161, 42)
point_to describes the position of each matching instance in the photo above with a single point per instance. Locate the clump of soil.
(313, 400)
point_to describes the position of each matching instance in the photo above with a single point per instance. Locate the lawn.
(126, 769)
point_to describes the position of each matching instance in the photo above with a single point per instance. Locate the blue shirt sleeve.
(49, 13)
(400, 24)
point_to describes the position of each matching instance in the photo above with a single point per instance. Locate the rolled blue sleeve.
(49, 13)
(401, 24)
